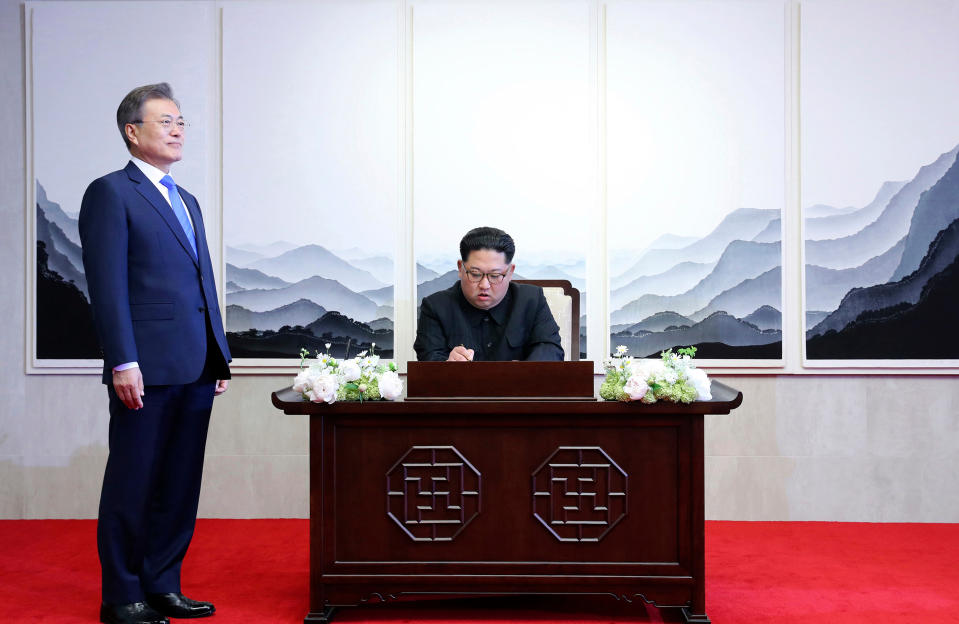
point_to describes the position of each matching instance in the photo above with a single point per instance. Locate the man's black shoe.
(177, 605)
(133, 613)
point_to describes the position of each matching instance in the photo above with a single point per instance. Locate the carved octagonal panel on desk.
(432, 493)
(580, 494)
(457, 494)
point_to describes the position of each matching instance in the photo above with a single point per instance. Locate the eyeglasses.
(167, 124)
(476, 276)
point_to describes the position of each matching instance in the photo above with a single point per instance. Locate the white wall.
(865, 448)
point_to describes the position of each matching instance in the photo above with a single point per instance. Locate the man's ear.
(459, 266)
(509, 271)
(130, 131)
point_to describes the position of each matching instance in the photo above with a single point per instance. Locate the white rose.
(698, 380)
(324, 388)
(302, 382)
(350, 370)
(636, 387)
(391, 386)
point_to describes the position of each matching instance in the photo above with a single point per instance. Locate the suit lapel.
(152, 194)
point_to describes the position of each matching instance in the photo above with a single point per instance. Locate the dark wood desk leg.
(323, 617)
(695, 618)
(695, 613)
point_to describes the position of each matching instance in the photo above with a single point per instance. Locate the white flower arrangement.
(670, 378)
(363, 378)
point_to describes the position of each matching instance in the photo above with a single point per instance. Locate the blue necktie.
(180, 211)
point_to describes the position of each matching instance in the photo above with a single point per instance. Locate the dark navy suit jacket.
(149, 295)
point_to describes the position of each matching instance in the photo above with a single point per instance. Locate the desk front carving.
(497, 497)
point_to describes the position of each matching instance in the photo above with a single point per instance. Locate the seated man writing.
(484, 317)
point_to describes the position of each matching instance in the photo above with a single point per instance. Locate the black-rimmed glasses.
(476, 276)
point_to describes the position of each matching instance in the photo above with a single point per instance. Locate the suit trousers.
(151, 488)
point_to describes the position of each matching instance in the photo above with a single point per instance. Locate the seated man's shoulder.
(527, 292)
(444, 297)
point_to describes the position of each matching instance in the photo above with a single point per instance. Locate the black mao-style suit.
(520, 327)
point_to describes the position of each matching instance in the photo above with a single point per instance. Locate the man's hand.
(221, 385)
(129, 386)
(460, 354)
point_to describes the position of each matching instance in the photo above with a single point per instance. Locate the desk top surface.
(724, 400)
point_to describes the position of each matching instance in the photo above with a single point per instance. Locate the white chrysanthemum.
(668, 375)
(370, 362)
(681, 363)
(621, 350)
(647, 369)
(391, 386)
(698, 380)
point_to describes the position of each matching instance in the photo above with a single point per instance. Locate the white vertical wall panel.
(502, 131)
(310, 134)
(696, 133)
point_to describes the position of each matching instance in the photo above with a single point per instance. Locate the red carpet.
(256, 572)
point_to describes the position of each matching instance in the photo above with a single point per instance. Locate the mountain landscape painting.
(64, 325)
(696, 184)
(282, 297)
(721, 293)
(880, 183)
(881, 280)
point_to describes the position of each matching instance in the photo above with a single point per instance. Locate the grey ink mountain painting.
(881, 280)
(720, 293)
(281, 298)
(64, 325)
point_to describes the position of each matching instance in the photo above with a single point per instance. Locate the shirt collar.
(152, 173)
(475, 316)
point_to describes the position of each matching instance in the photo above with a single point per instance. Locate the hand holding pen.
(460, 354)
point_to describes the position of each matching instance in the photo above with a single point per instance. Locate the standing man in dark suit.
(484, 316)
(165, 357)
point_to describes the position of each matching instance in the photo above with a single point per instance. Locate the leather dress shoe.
(133, 613)
(176, 605)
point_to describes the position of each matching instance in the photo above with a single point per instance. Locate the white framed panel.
(696, 178)
(81, 59)
(503, 117)
(310, 169)
(880, 141)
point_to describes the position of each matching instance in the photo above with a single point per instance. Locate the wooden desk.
(494, 497)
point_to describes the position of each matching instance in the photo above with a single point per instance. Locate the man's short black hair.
(487, 238)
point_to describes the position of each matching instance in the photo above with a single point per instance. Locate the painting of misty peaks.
(63, 326)
(502, 119)
(880, 181)
(309, 168)
(696, 178)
